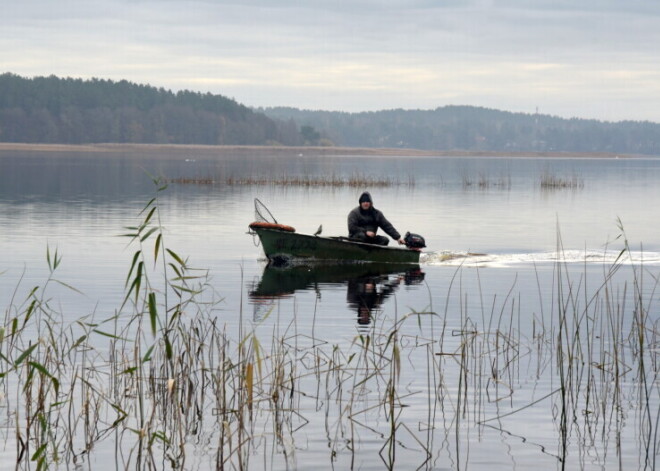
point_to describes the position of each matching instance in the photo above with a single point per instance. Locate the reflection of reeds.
(356, 180)
(164, 383)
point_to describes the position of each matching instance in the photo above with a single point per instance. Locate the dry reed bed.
(163, 384)
(547, 181)
(550, 181)
(298, 181)
(483, 182)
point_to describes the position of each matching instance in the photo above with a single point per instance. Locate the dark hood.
(366, 196)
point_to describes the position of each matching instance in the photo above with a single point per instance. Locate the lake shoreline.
(194, 150)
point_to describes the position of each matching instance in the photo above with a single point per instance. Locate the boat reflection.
(368, 285)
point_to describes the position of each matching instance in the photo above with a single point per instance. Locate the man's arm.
(389, 229)
(353, 227)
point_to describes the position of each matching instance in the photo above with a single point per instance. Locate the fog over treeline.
(75, 111)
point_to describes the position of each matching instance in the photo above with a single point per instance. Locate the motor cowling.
(414, 241)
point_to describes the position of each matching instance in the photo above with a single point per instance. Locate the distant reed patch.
(550, 181)
(484, 182)
(331, 181)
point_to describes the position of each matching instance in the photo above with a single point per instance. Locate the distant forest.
(75, 111)
(476, 129)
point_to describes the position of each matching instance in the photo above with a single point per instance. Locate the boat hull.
(282, 246)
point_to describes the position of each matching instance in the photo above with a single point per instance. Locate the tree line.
(476, 129)
(75, 111)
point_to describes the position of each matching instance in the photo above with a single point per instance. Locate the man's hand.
(401, 242)
(371, 234)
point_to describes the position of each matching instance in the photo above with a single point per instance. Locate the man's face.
(365, 205)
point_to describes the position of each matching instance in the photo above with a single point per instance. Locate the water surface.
(536, 249)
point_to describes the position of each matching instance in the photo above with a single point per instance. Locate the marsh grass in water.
(547, 181)
(165, 383)
(485, 182)
(550, 181)
(353, 181)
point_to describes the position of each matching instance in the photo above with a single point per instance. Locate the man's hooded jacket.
(360, 221)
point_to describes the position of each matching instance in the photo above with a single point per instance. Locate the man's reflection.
(367, 294)
(369, 285)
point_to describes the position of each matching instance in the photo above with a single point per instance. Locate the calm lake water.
(479, 381)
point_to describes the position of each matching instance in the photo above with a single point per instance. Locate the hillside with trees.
(476, 129)
(75, 111)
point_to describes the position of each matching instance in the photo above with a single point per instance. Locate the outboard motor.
(414, 241)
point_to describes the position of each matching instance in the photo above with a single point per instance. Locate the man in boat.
(364, 221)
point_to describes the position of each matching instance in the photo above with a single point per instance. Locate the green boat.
(282, 244)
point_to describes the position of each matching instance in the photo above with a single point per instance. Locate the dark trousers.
(378, 240)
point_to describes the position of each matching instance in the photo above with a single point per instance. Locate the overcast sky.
(570, 58)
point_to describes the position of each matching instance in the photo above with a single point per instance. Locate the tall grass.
(163, 382)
